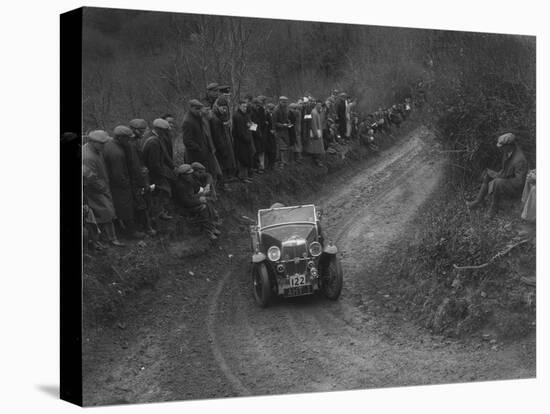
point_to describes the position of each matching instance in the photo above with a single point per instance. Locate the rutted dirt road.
(222, 344)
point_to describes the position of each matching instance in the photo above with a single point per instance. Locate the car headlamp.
(274, 253)
(315, 249)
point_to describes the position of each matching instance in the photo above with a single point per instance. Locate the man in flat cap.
(139, 175)
(295, 133)
(281, 125)
(189, 201)
(316, 145)
(197, 139)
(158, 160)
(212, 93)
(259, 133)
(271, 151)
(97, 191)
(341, 114)
(205, 182)
(221, 136)
(118, 161)
(506, 183)
(243, 141)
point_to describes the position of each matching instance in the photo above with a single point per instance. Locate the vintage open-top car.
(290, 256)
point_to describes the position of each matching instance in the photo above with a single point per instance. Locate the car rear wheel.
(261, 284)
(332, 279)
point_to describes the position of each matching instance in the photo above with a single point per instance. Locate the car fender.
(330, 249)
(258, 257)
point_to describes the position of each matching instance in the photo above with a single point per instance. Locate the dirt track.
(221, 344)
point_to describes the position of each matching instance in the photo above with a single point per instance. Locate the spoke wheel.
(333, 279)
(261, 284)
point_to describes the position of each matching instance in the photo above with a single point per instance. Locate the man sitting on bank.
(506, 183)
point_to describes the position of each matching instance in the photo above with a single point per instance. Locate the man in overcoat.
(315, 145)
(157, 159)
(244, 144)
(506, 183)
(139, 176)
(271, 150)
(258, 117)
(195, 138)
(295, 118)
(96, 184)
(119, 167)
(281, 125)
(221, 136)
(341, 114)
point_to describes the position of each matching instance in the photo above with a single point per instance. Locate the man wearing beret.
(157, 158)
(187, 199)
(97, 191)
(506, 183)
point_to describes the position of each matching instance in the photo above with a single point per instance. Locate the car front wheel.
(261, 284)
(332, 279)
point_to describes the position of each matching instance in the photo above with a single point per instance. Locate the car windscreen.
(287, 215)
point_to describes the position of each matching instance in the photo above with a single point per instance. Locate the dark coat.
(118, 168)
(156, 158)
(96, 185)
(242, 138)
(197, 142)
(280, 117)
(511, 178)
(258, 116)
(292, 131)
(271, 143)
(137, 175)
(223, 142)
(185, 195)
(341, 115)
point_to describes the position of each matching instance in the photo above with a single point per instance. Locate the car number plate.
(297, 280)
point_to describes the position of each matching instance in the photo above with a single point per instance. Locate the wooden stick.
(496, 256)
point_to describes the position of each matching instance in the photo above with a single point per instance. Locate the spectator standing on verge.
(281, 125)
(271, 150)
(139, 175)
(244, 145)
(196, 139)
(258, 118)
(118, 162)
(221, 136)
(316, 146)
(212, 93)
(157, 159)
(295, 118)
(96, 184)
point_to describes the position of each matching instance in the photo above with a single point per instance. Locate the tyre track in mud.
(311, 344)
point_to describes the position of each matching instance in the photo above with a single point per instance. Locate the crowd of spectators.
(144, 172)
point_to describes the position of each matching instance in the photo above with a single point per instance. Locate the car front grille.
(292, 268)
